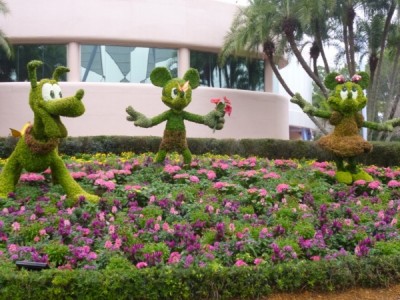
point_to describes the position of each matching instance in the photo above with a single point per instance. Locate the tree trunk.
(371, 108)
(318, 39)
(289, 91)
(350, 24)
(304, 64)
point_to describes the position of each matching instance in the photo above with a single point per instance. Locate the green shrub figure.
(37, 148)
(345, 142)
(176, 94)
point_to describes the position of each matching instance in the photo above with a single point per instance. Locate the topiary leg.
(356, 172)
(187, 156)
(10, 175)
(71, 187)
(342, 175)
(160, 157)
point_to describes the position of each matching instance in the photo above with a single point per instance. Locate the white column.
(268, 77)
(183, 61)
(74, 62)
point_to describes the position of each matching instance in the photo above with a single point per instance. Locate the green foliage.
(56, 252)
(382, 154)
(387, 248)
(120, 282)
(304, 229)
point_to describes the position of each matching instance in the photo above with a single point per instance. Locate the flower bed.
(221, 213)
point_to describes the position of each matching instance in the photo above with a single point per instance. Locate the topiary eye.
(354, 89)
(344, 89)
(51, 91)
(174, 93)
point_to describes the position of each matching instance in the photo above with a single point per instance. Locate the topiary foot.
(362, 175)
(344, 177)
(88, 197)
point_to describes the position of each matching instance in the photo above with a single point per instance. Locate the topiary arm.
(308, 108)
(386, 126)
(214, 119)
(393, 122)
(141, 120)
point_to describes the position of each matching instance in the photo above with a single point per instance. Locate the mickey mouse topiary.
(176, 94)
(345, 142)
(37, 148)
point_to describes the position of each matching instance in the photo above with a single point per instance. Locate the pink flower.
(211, 175)
(227, 104)
(282, 187)
(31, 177)
(374, 185)
(393, 184)
(173, 211)
(91, 256)
(215, 100)
(240, 263)
(78, 175)
(108, 244)
(118, 243)
(141, 265)
(340, 79)
(258, 261)
(12, 248)
(220, 184)
(111, 229)
(165, 226)
(16, 226)
(360, 182)
(109, 185)
(194, 179)
(174, 258)
(356, 78)
(272, 175)
(315, 258)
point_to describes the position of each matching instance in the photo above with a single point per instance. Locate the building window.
(238, 73)
(124, 64)
(14, 68)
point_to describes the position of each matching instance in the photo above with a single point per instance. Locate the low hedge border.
(384, 154)
(127, 282)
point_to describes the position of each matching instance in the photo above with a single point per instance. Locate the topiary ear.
(364, 81)
(330, 80)
(160, 76)
(193, 76)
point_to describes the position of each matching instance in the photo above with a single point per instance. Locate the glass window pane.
(109, 63)
(238, 73)
(14, 68)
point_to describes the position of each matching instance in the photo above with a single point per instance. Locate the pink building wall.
(180, 24)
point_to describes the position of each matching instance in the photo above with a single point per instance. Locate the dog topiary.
(345, 142)
(176, 94)
(37, 148)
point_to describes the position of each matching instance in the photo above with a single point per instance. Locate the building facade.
(111, 47)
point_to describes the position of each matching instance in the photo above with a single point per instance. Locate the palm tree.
(313, 15)
(267, 24)
(4, 44)
(388, 8)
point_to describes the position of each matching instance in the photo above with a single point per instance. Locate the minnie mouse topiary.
(345, 142)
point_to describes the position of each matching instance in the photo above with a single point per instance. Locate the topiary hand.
(215, 119)
(386, 126)
(137, 118)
